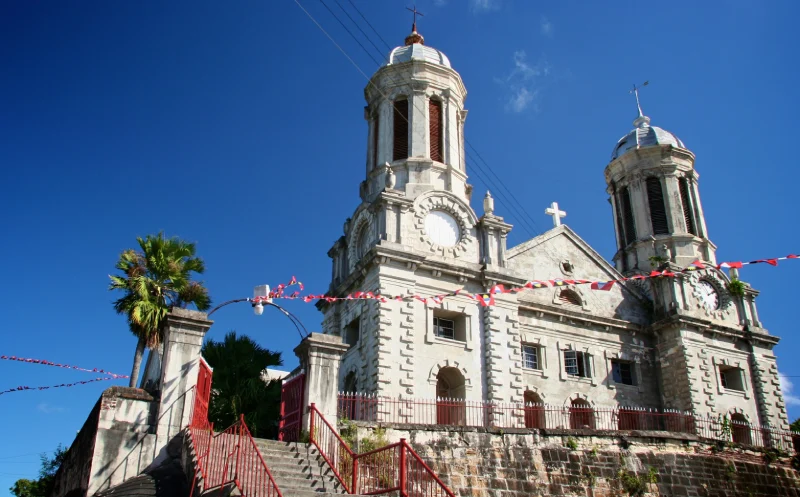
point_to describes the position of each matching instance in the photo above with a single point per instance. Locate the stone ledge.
(127, 393)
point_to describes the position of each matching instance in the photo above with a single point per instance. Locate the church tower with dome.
(679, 343)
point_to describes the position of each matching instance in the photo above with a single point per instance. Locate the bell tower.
(655, 200)
(415, 110)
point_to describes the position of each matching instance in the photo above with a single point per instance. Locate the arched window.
(400, 150)
(363, 241)
(450, 393)
(435, 130)
(658, 213)
(688, 215)
(570, 297)
(627, 226)
(534, 410)
(581, 415)
(740, 429)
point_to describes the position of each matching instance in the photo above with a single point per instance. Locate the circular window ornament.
(442, 228)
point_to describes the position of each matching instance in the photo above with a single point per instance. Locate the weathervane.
(415, 11)
(414, 37)
(642, 120)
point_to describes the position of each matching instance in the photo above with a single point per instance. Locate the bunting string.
(67, 385)
(487, 299)
(65, 366)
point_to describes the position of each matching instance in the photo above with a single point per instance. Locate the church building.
(687, 343)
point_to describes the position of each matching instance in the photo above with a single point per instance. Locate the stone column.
(320, 357)
(183, 337)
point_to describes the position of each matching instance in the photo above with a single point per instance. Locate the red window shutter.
(435, 129)
(627, 216)
(400, 130)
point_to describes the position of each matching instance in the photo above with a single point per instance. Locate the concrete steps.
(298, 469)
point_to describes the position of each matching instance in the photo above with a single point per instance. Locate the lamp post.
(261, 299)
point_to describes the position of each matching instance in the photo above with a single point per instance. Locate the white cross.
(557, 214)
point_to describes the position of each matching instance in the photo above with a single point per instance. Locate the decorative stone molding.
(448, 363)
(449, 203)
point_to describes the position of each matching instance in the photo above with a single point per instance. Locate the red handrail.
(380, 471)
(322, 435)
(232, 457)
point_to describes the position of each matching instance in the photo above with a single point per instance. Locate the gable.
(561, 254)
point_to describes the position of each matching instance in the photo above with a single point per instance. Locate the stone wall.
(510, 463)
(72, 477)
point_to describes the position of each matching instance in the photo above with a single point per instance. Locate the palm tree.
(239, 387)
(155, 279)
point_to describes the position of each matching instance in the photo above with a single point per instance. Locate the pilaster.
(184, 331)
(320, 357)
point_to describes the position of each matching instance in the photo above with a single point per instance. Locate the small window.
(577, 364)
(351, 333)
(450, 325)
(435, 129)
(444, 328)
(531, 357)
(731, 378)
(570, 297)
(622, 372)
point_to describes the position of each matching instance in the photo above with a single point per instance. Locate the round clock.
(708, 295)
(442, 228)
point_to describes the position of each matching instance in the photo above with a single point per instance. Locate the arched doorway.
(534, 410)
(450, 394)
(581, 415)
(740, 429)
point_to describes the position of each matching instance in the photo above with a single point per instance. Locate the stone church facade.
(684, 343)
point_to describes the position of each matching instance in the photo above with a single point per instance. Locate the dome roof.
(417, 51)
(645, 135)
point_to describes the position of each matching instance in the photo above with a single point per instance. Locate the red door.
(200, 414)
(292, 403)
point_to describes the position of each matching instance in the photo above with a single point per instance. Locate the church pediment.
(561, 254)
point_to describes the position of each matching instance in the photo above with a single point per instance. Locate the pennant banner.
(24, 388)
(65, 366)
(486, 300)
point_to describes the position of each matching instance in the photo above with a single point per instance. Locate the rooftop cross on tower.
(642, 120)
(415, 37)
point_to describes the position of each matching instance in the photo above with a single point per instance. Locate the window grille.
(530, 357)
(622, 372)
(444, 328)
(688, 216)
(435, 129)
(577, 364)
(627, 216)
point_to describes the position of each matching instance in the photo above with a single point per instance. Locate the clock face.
(708, 295)
(442, 229)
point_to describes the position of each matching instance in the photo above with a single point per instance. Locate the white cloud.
(440, 3)
(48, 409)
(546, 27)
(787, 387)
(484, 5)
(522, 83)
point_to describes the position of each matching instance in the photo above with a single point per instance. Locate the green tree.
(795, 426)
(238, 385)
(154, 279)
(42, 486)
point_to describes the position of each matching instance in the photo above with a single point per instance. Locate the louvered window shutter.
(435, 129)
(375, 135)
(658, 213)
(627, 216)
(400, 130)
(620, 224)
(688, 216)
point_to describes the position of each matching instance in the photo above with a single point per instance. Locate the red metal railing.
(466, 413)
(394, 468)
(231, 457)
(292, 404)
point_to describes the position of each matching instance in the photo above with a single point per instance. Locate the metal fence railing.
(579, 416)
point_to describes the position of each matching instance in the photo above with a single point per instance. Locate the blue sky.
(240, 126)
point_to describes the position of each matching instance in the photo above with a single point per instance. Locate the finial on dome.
(415, 37)
(642, 121)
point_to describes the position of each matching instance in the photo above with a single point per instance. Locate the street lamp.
(260, 299)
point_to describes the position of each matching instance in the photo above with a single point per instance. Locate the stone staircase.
(298, 469)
